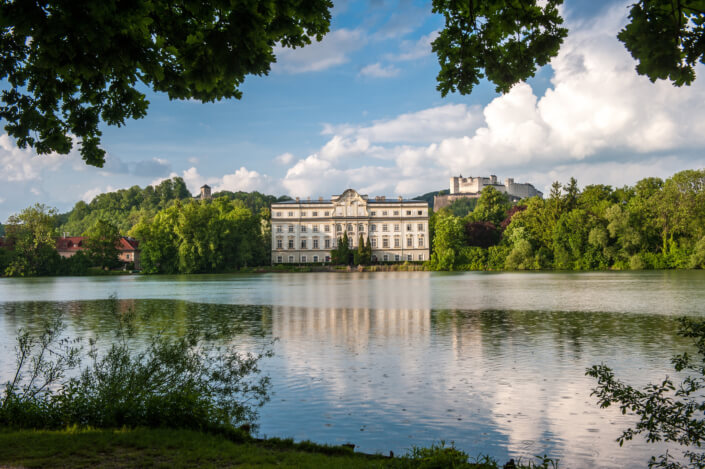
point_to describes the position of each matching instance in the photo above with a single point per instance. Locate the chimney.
(320, 199)
(384, 197)
(298, 200)
(400, 198)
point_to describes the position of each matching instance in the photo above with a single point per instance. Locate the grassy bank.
(186, 448)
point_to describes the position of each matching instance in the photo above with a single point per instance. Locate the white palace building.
(305, 231)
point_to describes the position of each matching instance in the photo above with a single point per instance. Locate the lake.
(492, 361)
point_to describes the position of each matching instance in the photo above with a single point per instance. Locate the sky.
(360, 110)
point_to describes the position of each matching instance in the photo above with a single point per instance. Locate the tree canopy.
(505, 41)
(72, 65)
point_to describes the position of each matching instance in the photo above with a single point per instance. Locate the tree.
(341, 254)
(666, 411)
(492, 206)
(72, 65)
(447, 241)
(33, 235)
(481, 233)
(102, 241)
(505, 41)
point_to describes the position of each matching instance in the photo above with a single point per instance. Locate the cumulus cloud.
(240, 180)
(19, 165)
(333, 50)
(598, 121)
(377, 70)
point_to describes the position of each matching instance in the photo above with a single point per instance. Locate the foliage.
(184, 382)
(341, 253)
(33, 234)
(653, 225)
(101, 243)
(447, 241)
(461, 207)
(666, 38)
(481, 233)
(429, 197)
(72, 67)
(506, 41)
(363, 254)
(202, 236)
(666, 411)
(124, 208)
(491, 207)
(502, 41)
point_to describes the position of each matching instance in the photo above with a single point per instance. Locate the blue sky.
(360, 110)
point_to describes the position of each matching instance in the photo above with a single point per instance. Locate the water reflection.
(494, 362)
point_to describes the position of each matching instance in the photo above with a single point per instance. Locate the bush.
(666, 411)
(182, 382)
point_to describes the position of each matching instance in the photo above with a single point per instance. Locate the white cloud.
(285, 158)
(414, 50)
(18, 165)
(599, 121)
(92, 193)
(333, 50)
(377, 70)
(242, 180)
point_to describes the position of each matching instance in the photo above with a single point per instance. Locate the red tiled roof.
(127, 244)
(70, 243)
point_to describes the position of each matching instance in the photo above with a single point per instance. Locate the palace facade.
(305, 231)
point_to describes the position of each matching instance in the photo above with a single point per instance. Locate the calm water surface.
(494, 362)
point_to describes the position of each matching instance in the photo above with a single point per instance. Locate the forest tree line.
(177, 233)
(654, 224)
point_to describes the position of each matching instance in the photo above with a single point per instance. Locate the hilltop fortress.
(471, 188)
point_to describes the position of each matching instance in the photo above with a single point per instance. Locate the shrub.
(185, 382)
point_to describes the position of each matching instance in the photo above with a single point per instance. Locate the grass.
(173, 448)
(165, 448)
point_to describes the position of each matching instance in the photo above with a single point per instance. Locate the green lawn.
(164, 448)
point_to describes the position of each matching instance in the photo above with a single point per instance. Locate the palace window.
(385, 258)
(408, 257)
(291, 228)
(327, 214)
(303, 228)
(327, 258)
(396, 212)
(397, 242)
(291, 244)
(350, 227)
(279, 259)
(373, 213)
(303, 214)
(315, 258)
(303, 258)
(338, 228)
(291, 214)
(420, 241)
(279, 214)
(420, 257)
(315, 243)
(373, 227)
(384, 227)
(384, 213)
(410, 242)
(408, 212)
(385, 242)
(408, 227)
(396, 227)
(279, 228)
(314, 214)
(361, 227)
(326, 228)
(315, 228)
(396, 257)
(420, 227)
(291, 259)
(279, 244)
(303, 244)
(420, 212)
(326, 243)
(374, 242)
